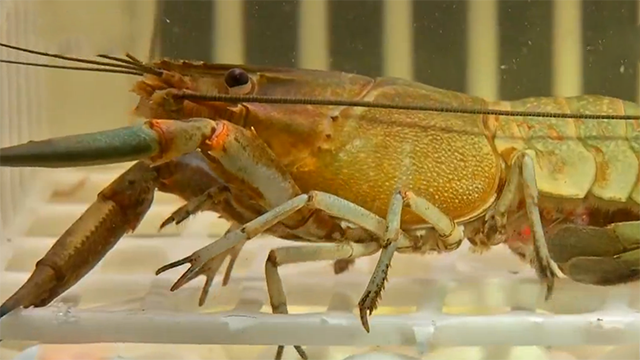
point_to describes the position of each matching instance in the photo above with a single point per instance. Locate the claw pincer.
(157, 140)
(118, 210)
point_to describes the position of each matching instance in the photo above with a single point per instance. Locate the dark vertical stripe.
(186, 29)
(440, 43)
(525, 48)
(610, 43)
(356, 36)
(271, 29)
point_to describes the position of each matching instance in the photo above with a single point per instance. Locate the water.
(495, 49)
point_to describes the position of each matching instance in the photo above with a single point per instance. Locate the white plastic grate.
(434, 307)
(122, 301)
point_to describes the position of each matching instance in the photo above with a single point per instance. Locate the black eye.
(236, 77)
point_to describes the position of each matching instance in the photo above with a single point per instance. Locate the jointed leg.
(210, 269)
(195, 206)
(495, 227)
(233, 256)
(523, 172)
(451, 237)
(331, 204)
(543, 263)
(450, 234)
(300, 254)
(232, 239)
(315, 200)
(186, 177)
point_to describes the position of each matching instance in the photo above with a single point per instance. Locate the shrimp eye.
(236, 78)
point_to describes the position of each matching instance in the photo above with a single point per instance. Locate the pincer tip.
(100, 148)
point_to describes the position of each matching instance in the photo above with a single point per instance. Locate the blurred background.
(498, 49)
